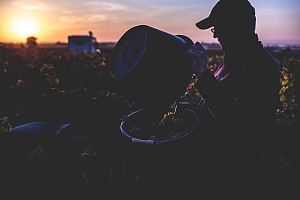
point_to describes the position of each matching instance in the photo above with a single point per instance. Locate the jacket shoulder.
(266, 60)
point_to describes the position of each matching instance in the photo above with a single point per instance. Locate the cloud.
(155, 11)
(55, 26)
(87, 18)
(28, 5)
(106, 5)
(66, 11)
(70, 19)
(96, 18)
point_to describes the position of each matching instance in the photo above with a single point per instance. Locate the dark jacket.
(238, 106)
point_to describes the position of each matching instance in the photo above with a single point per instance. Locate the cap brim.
(206, 23)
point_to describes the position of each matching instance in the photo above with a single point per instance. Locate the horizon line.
(204, 41)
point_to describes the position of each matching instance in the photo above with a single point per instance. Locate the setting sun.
(24, 27)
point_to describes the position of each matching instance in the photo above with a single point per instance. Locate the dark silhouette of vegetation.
(31, 42)
(61, 87)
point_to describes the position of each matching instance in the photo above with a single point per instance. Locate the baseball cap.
(225, 9)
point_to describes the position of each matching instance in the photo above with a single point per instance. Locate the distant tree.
(31, 42)
(60, 43)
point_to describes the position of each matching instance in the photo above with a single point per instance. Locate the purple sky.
(278, 21)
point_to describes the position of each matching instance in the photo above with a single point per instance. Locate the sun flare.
(24, 27)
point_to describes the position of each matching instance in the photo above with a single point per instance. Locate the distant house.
(82, 43)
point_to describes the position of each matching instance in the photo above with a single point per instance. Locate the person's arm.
(232, 108)
(248, 115)
(258, 87)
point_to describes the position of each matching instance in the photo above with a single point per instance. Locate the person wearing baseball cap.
(238, 105)
(235, 19)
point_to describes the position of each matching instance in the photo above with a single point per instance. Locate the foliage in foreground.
(63, 87)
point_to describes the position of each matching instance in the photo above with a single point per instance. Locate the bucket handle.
(135, 140)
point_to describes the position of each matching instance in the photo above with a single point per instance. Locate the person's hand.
(199, 58)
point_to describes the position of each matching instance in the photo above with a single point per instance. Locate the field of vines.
(54, 85)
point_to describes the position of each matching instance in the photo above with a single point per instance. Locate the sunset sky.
(278, 21)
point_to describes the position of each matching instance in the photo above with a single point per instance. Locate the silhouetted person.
(238, 105)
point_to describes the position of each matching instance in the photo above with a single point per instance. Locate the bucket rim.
(122, 128)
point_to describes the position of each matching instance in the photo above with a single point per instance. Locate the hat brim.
(206, 23)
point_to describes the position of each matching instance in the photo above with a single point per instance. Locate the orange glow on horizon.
(24, 27)
(54, 21)
(18, 27)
